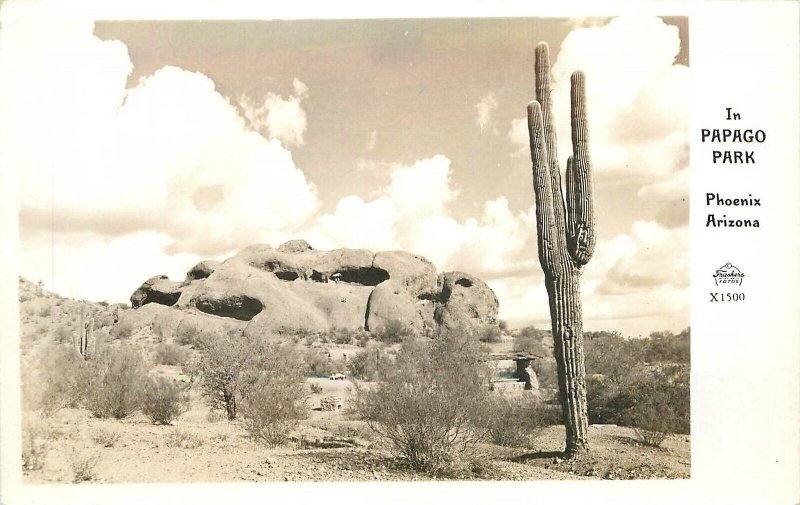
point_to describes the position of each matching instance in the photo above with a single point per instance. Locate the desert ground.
(201, 445)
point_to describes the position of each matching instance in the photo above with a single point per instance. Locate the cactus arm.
(571, 203)
(543, 88)
(582, 240)
(543, 194)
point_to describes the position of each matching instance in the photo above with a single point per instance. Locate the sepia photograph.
(323, 250)
(376, 250)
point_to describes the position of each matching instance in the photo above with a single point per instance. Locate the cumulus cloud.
(412, 213)
(170, 156)
(118, 265)
(637, 97)
(485, 109)
(279, 118)
(650, 256)
(639, 278)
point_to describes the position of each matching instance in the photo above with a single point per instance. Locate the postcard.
(349, 253)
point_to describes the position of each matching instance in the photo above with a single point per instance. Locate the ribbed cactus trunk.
(566, 239)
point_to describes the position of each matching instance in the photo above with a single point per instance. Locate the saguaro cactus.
(566, 238)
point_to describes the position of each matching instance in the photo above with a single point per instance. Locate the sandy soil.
(202, 446)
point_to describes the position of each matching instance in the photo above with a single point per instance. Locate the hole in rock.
(464, 282)
(239, 307)
(168, 299)
(369, 276)
(286, 276)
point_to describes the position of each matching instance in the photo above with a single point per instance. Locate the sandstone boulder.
(294, 246)
(295, 288)
(391, 301)
(465, 302)
(202, 270)
(415, 273)
(158, 289)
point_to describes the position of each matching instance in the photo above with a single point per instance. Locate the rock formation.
(297, 289)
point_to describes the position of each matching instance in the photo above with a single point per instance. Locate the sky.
(142, 147)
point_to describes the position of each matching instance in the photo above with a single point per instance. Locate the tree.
(566, 238)
(231, 365)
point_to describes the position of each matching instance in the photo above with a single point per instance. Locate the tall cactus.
(566, 238)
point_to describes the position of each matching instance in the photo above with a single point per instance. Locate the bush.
(64, 376)
(490, 334)
(393, 331)
(315, 388)
(105, 438)
(661, 405)
(83, 465)
(163, 400)
(171, 354)
(516, 421)
(34, 446)
(122, 330)
(115, 383)
(364, 364)
(183, 440)
(425, 404)
(277, 399)
(63, 335)
(529, 340)
(320, 364)
(665, 347)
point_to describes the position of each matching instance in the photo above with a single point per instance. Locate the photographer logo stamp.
(728, 274)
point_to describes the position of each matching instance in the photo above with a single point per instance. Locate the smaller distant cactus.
(86, 334)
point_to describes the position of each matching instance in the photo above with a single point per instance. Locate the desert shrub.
(661, 405)
(424, 404)
(34, 445)
(666, 347)
(611, 355)
(122, 330)
(230, 367)
(182, 439)
(271, 408)
(214, 416)
(502, 324)
(103, 320)
(83, 465)
(343, 336)
(45, 311)
(320, 364)
(63, 334)
(529, 340)
(115, 382)
(393, 331)
(515, 421)
(364, 364)
(163, 400)
(64, 375)
(171, 354)
(315, 388)
(105, 438)
(490, 334)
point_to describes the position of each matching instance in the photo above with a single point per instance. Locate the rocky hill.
(297, 289)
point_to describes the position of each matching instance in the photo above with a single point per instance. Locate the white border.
(745, 359)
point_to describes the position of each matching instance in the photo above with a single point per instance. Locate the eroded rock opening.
(168, 299)
(287, 276)
(243, 308)
(464, 282)
(366, 276)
